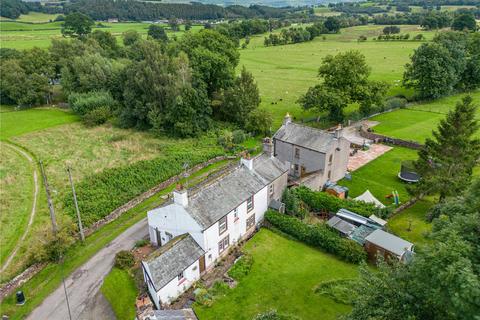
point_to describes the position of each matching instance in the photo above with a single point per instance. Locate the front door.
(159, 237)
(202, 264)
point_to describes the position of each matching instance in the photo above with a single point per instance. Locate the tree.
(332, 24)
(391, 30)
(173, 23)
(188, 25)
(431, 71)
(77, 25)
(240, 99)
(464, 21)
(446, 161)
(323, 98)
(106, 41)
(130, 37)
(157, 32)
(259, 121)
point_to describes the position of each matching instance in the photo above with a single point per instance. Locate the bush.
(321, 201)
(319, 235)
(124, 260)
(101, 193)
(83, 103)
(293, 205)
(395, 103)
(274, 315)
(259, 121)
(339, 291)
(97, 116)
(241, 268)
(225, 139)
(141, 243)
(238, 136)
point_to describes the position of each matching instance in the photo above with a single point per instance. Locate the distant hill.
(270, 3)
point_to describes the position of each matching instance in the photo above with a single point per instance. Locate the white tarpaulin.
(368, 197)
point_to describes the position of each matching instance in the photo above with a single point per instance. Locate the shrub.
(274, 315)
(319, 235)
(241, 268)
(97, 116)
(238, 136)
(339, 291)
(101, 193)
(293, 205)
(141, 243)
(225, 139)
(124, 260)
(362, 38)
(259, 121)
(395, 103)
(83, 103)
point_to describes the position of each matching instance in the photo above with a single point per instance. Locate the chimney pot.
(268, 148)
(287, 119)
(180, 196)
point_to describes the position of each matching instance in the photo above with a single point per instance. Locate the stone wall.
(381, 138)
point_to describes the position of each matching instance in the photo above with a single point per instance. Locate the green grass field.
(15, 123)
(33, 17)
(16, 195)
(283, 73)
(283, 277)
(411, 224)
(121, 292)
(380, 176)
(417, 121)
(20, 35)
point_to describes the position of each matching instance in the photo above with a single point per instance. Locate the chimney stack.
(287, 119)
(180, 196)
(247, 161)
(338, 132)
(268, 147)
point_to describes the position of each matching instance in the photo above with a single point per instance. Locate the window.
(250, 204)
(180, 276)
(271, 190)
(169, 236)
(235, 214)
(330, 159)
(329, 174)
(297, 153)
(251, 221)
(223, 244)
(222, 225)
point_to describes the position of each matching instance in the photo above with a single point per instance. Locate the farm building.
(315, 156)
(208, 222)
(387, 245)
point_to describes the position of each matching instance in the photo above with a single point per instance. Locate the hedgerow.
(321, 201)
(318, 235)
(100, 194)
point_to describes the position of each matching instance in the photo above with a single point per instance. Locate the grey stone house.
(315, 156)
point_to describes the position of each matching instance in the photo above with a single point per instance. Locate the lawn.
(380, 176)
(16, 196)
(120, 290)
(283, 277)
(14, 123)
(418, 120)
(411, 224)
(283, 79)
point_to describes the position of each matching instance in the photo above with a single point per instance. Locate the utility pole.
(55, 232)
(80, 227)
(49, 200)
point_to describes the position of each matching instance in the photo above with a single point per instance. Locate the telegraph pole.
(49, 200)
(55, 232)
(80, 227)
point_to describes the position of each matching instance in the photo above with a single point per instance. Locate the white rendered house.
(202, 226)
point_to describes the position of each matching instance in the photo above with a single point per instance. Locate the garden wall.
(398, 142)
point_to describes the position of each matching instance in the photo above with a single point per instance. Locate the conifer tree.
(446, 161)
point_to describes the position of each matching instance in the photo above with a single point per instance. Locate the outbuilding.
(387, 245)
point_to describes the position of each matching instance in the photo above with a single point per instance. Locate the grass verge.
(121, 292)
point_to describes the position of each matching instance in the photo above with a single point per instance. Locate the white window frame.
(222, 225)
(250, 203)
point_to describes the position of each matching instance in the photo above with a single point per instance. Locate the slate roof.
(389, 242)
(169, 261)
(343, 226)
(184, 314)
(214, 201)
(308, 137)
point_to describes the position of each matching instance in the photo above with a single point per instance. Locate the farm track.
(34, 203)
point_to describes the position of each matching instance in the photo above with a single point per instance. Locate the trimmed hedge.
(101, 193)
(319, 201)
(319, 235)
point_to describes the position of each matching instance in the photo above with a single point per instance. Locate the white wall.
(174, 288)
(174, 220)
(236, 229)
(151, 289)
